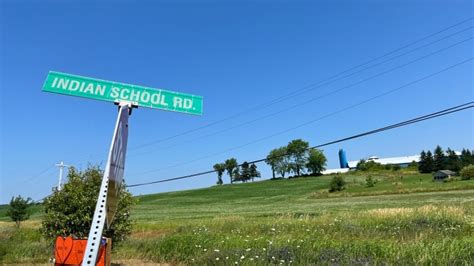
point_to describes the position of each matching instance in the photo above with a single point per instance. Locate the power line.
(393, 126)
(319, 97)
(319, 84)
(279, 99)
(314, 120)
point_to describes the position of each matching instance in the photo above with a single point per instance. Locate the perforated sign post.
(126, 96)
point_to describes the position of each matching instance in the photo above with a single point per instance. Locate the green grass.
(404, 219)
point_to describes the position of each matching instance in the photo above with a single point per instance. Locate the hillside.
(405, 218)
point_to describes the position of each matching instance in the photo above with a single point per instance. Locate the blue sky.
(237, 55)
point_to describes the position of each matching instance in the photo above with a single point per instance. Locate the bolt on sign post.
(126, 96)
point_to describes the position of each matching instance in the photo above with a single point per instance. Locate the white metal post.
(101, 208)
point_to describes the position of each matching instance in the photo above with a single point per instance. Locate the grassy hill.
(405, 218)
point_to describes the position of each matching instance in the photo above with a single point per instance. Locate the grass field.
(404, 219)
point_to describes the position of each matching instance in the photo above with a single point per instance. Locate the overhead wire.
(278, 99)
(319, 97)
(312, 120)
(433, 115)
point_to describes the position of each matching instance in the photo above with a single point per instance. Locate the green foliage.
(426, 164)
(467, 172)
(18, 209)
(467, 157)
(70, 210)
(439, 159)
(230, 166)
(316, 161)
(369, 181)
(396, 167)
(364, 165)
(220, 169)
(254, 173)
(298, 153)
(452, 161)
(278, 159)
(337, 184)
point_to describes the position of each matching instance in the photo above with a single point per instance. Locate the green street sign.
(111, 91)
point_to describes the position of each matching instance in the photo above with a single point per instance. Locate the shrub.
(467, 172)
(337, 184)
(369, 181)
(364, 165)
(396, 167)
(70, 210)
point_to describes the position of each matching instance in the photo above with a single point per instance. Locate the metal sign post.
(107, 201)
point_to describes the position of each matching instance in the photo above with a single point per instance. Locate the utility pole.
(61, 167)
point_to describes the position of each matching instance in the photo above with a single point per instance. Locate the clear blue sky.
(236, 55)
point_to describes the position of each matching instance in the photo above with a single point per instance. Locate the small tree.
(316, 162)
(245, 172)
(18, 209)
(70, 210)
(254, 172)
(230, 165)
(220, 169)
(337, 184)
(467, 172)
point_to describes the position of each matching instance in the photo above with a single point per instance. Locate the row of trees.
(296, 158)
(441, 160)
(236, 172)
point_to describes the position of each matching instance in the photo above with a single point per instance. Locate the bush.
(364, 165)
(396, 167)
(69, 212)
(467, 172)
(337, 184)
(369, 181)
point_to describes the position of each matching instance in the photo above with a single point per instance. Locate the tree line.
(444, 160)
(236, 172)
(295, 158)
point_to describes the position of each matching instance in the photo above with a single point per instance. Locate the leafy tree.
(220, 169)
(230, 166)
(453, 162)
(316, 161)
(278, 159)
(70, 210)
(236, 174)
(254, 172)
(337, 184)
(18, 209)
(245, 172)
(439, 159)
(298, 152)
(273, 159)
(467, 172)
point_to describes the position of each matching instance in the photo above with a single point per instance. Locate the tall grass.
(425, 235)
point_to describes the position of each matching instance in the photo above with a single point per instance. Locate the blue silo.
(343, 159)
